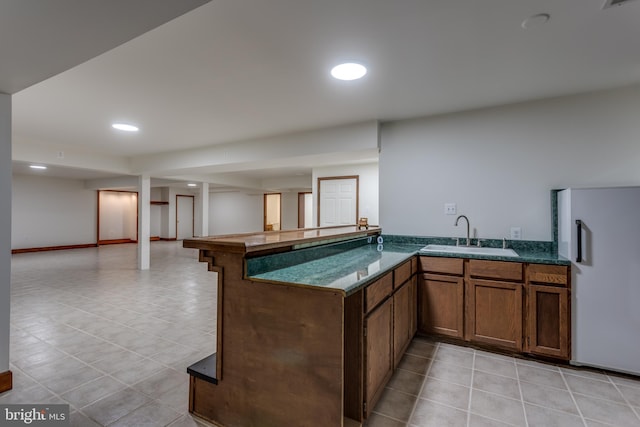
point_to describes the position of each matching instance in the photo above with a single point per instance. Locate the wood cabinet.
(495, 298)
(548, 311)
(510, 305)
(378, 347)
(385, 313)
(404, 318)
(441, 296)
(495, 313)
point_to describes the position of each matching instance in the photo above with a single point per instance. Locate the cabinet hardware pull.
(579, 240)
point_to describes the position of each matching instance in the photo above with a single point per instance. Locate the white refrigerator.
(599, 231)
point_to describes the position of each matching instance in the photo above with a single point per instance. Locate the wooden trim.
(219, 320)
(192, 393)
(98, 216)
(53, 248)
(154, 238)
(6, 381)
(328, 178)
(158, 202)
(168, 239)
(353, 394)
(116, 241)
(193, 213)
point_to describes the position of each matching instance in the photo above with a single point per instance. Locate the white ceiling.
(233, 70)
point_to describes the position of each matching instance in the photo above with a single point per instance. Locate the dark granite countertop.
(345, 271)
(530, 256)
(357, 265)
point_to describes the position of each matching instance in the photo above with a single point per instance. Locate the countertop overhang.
(269, 240)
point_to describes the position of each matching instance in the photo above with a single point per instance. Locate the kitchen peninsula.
(295, 352)
(312, 323)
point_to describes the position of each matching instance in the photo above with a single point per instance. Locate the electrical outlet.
(516, 233)
(450, 209)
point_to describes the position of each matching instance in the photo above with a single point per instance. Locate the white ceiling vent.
(612, 3)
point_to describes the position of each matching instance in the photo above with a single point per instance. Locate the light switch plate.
(450, 209)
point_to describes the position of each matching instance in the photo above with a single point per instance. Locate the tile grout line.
(575, 402)
(424, 381)
(524, 408)
(633, 409)
(473, 372)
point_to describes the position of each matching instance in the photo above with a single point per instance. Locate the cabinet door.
(441, 305)
(548, 321)
(378, 357)
(403, 319)
(495, 313)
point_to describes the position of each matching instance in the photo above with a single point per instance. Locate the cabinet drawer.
(401, 274)
(551, 274)
(376, 292)
(442, 265)
(496, 269)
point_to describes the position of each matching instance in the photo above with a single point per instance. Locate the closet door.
(184, 217)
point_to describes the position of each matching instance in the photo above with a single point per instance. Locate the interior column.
(144, 222)
(5, 239)
(204, 209)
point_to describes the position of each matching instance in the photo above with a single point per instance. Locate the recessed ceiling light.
(37, 167)
(191, 184)
(349, 71)
(125, 127)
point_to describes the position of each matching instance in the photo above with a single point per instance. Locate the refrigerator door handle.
(579, 240)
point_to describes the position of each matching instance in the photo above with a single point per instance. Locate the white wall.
(499, 164)
(156, 220)
(368, 188)
(235, 212)
(5, 228)
(289, 210)
(156, 212)
(52, 212)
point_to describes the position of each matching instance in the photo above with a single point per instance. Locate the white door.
(338, 201)
(184, 217)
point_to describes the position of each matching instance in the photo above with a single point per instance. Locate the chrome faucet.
(466, 219)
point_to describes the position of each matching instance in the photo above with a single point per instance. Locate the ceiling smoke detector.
(535, 21)
(612, 3)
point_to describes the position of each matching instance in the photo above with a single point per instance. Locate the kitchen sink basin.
(470, 250)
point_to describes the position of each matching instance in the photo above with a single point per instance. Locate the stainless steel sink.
(471, 250)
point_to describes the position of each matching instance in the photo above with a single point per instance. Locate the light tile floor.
(440, 384)
(89, 329)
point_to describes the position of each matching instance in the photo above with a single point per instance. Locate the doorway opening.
(305, 210)
(272, 211)
(117, 217)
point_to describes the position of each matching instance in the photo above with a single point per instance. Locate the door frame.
(110, 242)
(301, 208)
(264, 210)
(329, 178)
(193, 213)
